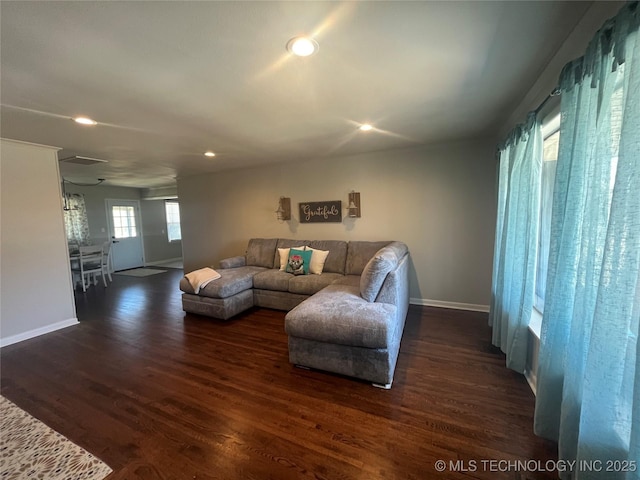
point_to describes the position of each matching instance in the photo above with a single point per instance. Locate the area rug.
(174, 264)
(139, 272)
(30, 449)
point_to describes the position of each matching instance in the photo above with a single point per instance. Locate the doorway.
(125, 233)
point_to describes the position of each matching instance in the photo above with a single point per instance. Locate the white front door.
(125, 233)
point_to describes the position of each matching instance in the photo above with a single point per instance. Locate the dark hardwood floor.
(159, 394)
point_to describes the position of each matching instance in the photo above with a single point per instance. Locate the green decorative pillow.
(299, 261)
(284, 256)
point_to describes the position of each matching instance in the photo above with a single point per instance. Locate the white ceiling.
(169, 80)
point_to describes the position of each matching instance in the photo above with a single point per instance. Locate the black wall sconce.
(353, 204)
(283, 213)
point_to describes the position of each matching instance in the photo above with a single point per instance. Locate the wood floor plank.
(160, 394)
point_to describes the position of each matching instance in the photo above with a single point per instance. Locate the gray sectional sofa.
(348, 320)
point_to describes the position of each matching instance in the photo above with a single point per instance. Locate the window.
(173, 221)
(124, 221)
(616, 109)
(551, 133)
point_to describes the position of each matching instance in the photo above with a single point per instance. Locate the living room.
(437, 196)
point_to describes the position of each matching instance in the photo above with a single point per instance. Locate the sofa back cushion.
(359, 253)
(395, 289)
(376, 270)
(261, 251)
(400, 249)
(335, 262)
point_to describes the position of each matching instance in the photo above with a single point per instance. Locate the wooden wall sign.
(321, 212)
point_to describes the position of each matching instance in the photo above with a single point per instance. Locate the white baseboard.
(37, 332)
(159, 262)
(531, 380)
(455, 305)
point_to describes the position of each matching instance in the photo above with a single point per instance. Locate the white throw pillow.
(284, 256)
(317, 260)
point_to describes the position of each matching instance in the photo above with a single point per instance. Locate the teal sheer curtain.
(514, 261)
(588, 389)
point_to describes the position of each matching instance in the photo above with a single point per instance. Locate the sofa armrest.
(233, 262)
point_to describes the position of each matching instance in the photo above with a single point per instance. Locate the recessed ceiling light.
(302, 46)
(85, 121)
(365, 127)
(209, 154)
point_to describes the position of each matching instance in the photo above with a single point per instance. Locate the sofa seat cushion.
(310, 284)
(231, 282)
(339, 315)
(350, 280)
(272, 279)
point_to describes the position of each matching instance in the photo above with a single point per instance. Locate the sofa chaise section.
(355, 329)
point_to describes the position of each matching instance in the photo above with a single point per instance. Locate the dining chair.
(106, 260)
(89, 264)
(73, 248)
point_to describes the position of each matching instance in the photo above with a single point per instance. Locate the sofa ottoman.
(223, 298)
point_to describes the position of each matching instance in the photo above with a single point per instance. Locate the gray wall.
(94, 198)
(437, 199)
(36, 286)
(154, 224)
(156, 245)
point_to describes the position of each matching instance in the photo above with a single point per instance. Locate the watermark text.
(493, 465)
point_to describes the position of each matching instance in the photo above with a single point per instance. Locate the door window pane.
(124, 221)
